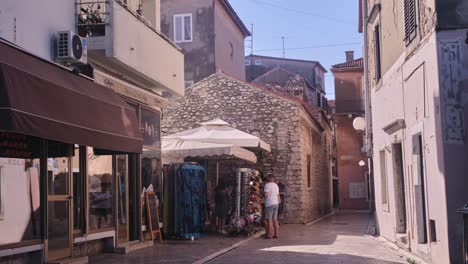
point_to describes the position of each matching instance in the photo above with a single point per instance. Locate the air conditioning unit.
(71, 48)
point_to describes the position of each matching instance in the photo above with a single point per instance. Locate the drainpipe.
(367, 105)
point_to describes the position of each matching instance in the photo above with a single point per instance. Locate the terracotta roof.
(354, 64)
(232, 13)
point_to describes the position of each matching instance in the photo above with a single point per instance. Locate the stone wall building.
(300, 156)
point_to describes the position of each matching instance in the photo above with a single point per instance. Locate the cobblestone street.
(340, 238)
(337, 239)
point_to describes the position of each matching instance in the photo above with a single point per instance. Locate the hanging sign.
(151, 127)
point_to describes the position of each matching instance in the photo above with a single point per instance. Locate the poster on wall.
(151, 128)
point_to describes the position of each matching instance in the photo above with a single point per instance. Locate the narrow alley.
(185, 131)
(340, 238)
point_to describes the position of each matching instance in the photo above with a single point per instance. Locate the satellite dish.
(359, 123)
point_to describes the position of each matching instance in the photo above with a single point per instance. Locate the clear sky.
(319, 30)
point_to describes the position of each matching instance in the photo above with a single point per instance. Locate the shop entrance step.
(132, 246)
(76, 260)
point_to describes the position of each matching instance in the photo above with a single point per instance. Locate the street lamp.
(359, 124)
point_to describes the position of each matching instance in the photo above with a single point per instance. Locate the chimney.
(349, 55)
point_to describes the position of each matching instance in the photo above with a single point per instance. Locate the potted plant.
(91, 21)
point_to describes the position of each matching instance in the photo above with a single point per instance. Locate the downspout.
(367, 106)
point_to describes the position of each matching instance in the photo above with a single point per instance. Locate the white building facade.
(100, 209)
(417, 86)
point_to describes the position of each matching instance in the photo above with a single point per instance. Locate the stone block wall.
(316, 190)
(273, 118)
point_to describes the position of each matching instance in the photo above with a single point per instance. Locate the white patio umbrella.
(177, 148)
(220, 132)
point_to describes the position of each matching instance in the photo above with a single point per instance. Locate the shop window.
(78, 189)
(151, 173)
(101, 188)
(20, 202)
(122, 201)
(151, 128)
(151, 170)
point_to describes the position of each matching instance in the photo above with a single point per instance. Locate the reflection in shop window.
(78, 208)
(151, 171)
(20, 202)
(101, 186)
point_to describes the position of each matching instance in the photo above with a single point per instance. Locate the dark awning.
(41, 99)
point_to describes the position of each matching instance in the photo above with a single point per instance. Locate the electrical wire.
(302, 12)
(314, 47)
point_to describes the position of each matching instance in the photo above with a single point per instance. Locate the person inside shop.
(272, 200)
(221, 206)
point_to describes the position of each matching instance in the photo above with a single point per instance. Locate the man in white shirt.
(272, 200)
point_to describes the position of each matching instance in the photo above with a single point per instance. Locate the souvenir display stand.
(247, 202)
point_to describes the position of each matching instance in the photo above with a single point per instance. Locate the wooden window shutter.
(410, 20)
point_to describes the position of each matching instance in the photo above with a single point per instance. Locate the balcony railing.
(92, 18)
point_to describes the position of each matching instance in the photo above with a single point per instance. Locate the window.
(258, 62)
(410, 20)
(383, 180)
(309, 170)
(101, 186)
(183, 28)
(247, 62)
(231, 49)
(377, 50)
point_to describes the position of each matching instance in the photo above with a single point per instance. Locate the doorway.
(59, 195)
(420, 188)
(400, 195)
